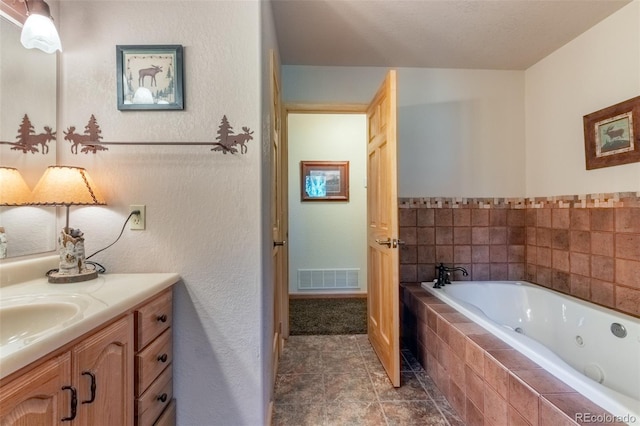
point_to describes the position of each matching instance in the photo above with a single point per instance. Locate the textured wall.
(203, 208)
(598, 69)
(459, 131)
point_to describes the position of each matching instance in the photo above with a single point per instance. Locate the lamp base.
(58, 278)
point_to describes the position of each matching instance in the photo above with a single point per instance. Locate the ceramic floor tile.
(343, 362)
(410, 390)
(348, 387)
(355, 414)
(412, 413)
(300, 362)
(339, 381)
(299, 388)
(297, 415)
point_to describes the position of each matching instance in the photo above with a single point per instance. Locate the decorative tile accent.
(600, 200)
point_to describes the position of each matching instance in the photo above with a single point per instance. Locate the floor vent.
(317, 279)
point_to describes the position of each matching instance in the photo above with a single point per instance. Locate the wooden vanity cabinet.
(153, 362)
(37, 398)
(103, 371)
(89, 384)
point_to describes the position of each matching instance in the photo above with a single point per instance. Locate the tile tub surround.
(484, 379)
(585, 246)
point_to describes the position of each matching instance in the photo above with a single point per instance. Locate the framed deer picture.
(612, 135)
(149, 77)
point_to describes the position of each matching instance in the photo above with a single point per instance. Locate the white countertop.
(100, 300)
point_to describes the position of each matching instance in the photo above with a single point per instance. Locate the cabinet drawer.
(152, 319)
(152, 360)
(154, 400)
(168, 417)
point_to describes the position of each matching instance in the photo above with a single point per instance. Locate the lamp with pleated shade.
(68, 186)
(13, 189)
(13, 192)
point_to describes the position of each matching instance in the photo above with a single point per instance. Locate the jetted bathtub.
(594, 350)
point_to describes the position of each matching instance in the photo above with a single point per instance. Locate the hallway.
(338, 381)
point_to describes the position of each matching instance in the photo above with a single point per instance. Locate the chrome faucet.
(444, 274)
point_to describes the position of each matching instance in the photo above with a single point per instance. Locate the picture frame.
(324, 181)
(150, 77)
(612, 135)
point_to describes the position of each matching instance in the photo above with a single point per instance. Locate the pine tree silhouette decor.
(227, 141)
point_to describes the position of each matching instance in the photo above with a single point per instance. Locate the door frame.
(310, 108)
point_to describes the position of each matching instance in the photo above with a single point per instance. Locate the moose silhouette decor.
(30, 142)
(612, 135)
(90, 141)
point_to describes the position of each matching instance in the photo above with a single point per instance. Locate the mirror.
(28, 84)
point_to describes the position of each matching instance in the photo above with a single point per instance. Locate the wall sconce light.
(13, 192)
(38, 30)
(68, 186)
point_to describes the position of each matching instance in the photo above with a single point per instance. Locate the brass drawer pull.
(163, 358)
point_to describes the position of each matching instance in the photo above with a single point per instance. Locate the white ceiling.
(479, 34)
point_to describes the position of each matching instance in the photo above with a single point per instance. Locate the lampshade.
(38, 30)
(66, 186)
(13, 189)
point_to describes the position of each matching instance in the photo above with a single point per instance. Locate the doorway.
(327, 239)
(382, 242)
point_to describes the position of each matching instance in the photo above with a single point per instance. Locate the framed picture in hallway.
(324, 181)
(149, 77)
(612, 135)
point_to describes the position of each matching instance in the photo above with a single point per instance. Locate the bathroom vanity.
(91, 353)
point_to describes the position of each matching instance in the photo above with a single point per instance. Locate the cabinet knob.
(163, 358)
(162, 398)
(162, 318)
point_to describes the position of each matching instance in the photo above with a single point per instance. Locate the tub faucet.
(444, 274)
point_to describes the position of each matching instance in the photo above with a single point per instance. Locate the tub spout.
(444, 274)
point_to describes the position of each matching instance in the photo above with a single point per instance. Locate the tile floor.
(338, 381)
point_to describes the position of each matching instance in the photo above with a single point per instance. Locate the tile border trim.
(598, 200)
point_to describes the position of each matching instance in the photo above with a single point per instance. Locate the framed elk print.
(324, 180)
(612, 135)
(149, 77)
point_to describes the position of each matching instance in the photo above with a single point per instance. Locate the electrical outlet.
(138, 220)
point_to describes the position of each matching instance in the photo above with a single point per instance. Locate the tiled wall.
(486, 381)
(586, 246)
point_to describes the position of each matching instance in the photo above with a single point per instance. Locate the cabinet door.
(104, 362)
(38, 397)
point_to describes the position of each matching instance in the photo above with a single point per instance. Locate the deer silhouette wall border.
(612, 135)
(90, 141)
(28, 141)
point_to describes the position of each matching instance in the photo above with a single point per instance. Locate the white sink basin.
(26, 318)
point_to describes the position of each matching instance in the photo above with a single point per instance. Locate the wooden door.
(41, 396)
(278, 219)
(105, 361)
(382, 237)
